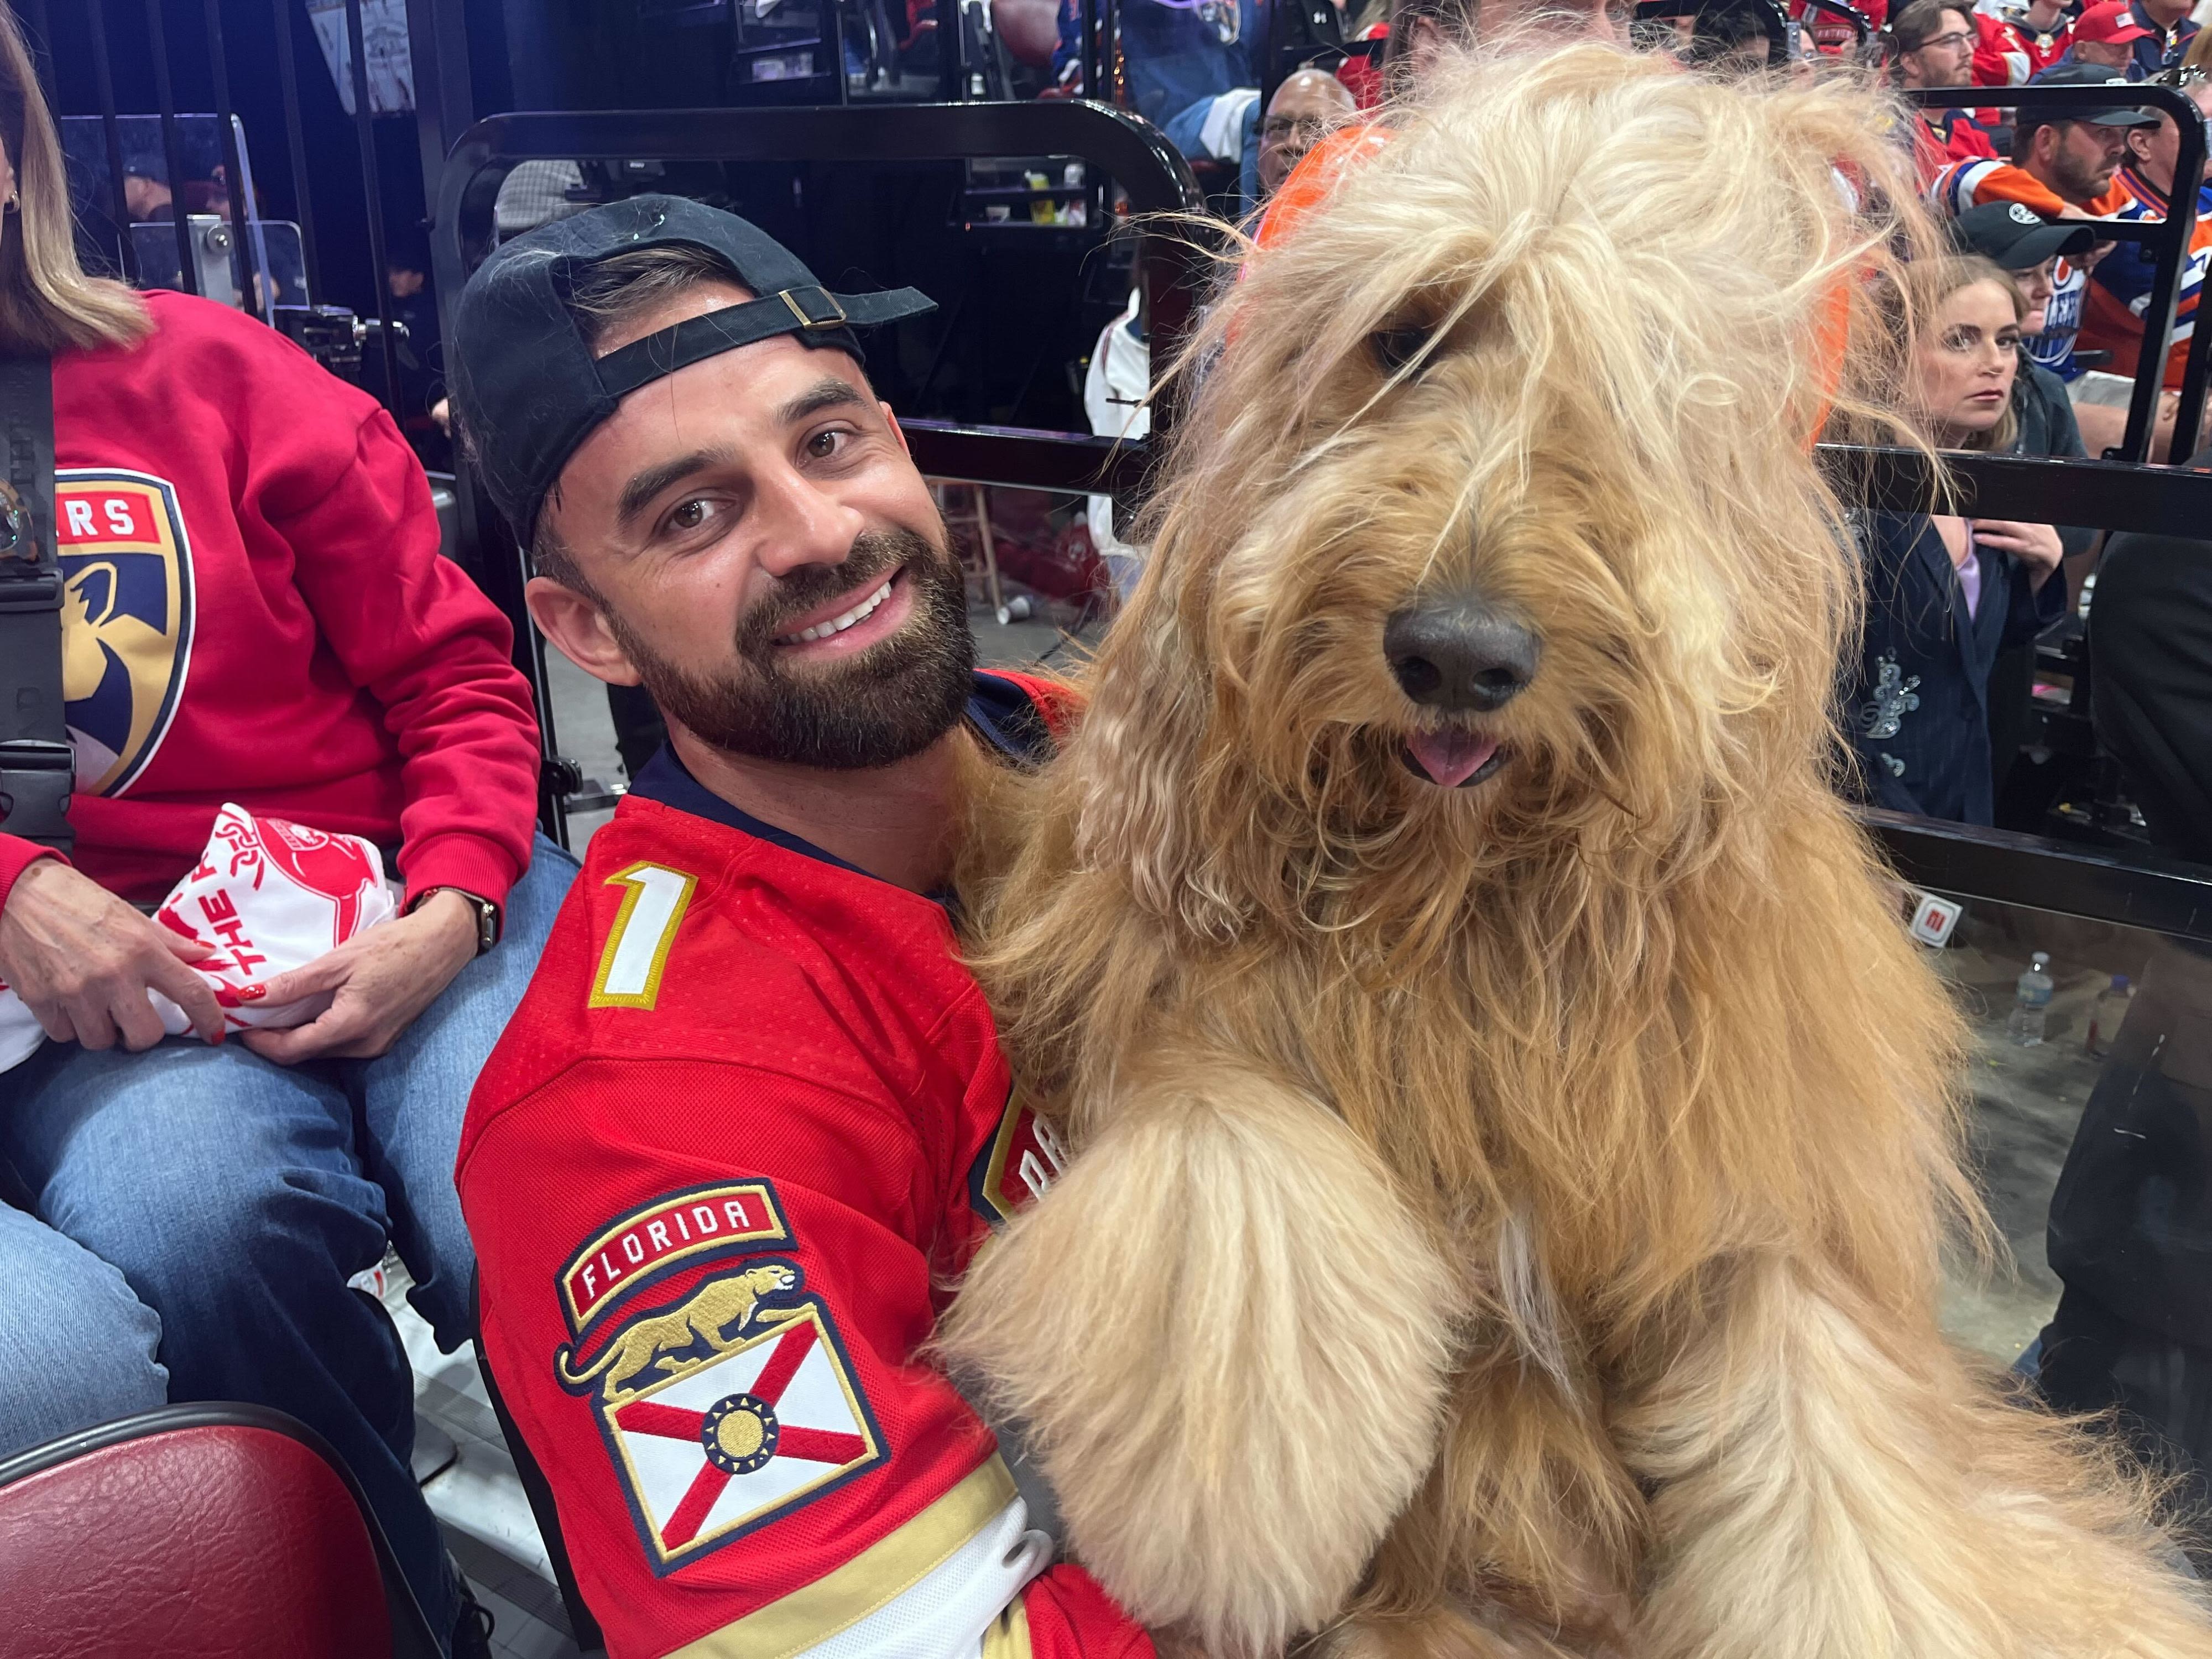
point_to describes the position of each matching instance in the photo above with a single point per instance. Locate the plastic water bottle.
(2104, 1018)
(2031, 1002)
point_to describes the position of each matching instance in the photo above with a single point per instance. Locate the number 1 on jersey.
(637, 946)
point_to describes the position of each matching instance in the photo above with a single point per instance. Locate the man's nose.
(801, 525)
(1458, 653)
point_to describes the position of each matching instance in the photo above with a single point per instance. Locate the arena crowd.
(186, 1211)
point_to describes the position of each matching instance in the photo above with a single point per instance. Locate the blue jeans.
(76, 1347)
(238, 1196)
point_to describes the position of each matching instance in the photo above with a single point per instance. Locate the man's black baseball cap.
(526, 390)
(2102, 108)
(2016, 236)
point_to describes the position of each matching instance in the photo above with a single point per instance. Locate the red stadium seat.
(191, 1531)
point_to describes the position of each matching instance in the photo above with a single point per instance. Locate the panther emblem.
(721, 1315)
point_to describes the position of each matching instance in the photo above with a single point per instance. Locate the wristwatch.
(487, 912)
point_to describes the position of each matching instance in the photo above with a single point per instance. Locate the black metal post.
(834, 11)
(2166, 289)
(1091, 49)
(172, 154)
(233, 172)
(110, 129)
(2188, 408)
(364, 124)
(287, 87)
(438, 42)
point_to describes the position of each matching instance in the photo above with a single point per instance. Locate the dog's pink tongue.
(1451, 758)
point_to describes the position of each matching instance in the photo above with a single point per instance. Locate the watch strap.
(488, 914)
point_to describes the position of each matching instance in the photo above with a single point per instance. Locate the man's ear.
(579, 630)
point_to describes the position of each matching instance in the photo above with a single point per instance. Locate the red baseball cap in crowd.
(2113, 21)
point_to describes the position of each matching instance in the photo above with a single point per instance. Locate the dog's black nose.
(1456, 653)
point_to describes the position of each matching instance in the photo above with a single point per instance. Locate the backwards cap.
(526, 389)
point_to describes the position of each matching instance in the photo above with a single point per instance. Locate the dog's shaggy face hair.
(1503, 1218)
(1503, 363)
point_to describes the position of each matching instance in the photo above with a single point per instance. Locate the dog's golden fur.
(1506, 1220)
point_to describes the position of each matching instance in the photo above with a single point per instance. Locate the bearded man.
(752, 1112)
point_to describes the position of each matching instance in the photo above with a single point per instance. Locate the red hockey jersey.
(748, 1119)
(256, 611)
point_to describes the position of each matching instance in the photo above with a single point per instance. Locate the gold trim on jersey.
(1009, 1637)
(879, 1574)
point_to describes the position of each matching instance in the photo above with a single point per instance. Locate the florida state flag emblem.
(726, 1410)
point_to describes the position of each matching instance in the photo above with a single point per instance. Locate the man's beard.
(891, 700)
(2080, 182)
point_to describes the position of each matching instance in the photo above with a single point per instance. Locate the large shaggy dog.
(1512, 1135)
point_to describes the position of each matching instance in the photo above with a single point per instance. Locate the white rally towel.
(269, 897)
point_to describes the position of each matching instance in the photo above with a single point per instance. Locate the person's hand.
(2087, 262)
(442, 413)
(82, 961)
(2035, 545)
(377, 981)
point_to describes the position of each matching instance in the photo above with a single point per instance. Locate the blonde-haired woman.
(255, 611)
(1945, 595)
(76, 1345)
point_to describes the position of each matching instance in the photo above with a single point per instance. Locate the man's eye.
(824, 443)
(689, 515)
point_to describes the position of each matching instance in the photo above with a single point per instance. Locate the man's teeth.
(822, 630)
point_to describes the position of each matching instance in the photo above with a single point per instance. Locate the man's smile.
(852, 621)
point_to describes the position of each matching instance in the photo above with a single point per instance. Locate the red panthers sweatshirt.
(256, 611)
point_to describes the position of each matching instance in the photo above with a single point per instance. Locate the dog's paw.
(1228, 1339)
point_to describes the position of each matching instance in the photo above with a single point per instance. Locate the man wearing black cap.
(752, 1112)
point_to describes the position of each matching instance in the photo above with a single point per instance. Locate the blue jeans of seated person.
(76, 1347)
(238, 1196)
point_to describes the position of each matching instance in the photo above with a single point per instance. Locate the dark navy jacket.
(1918, 710)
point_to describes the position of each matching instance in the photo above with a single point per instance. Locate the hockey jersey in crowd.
(256, 611)
(1969, 184)
(749, 1121)
(2120, 289)
(2009, 52)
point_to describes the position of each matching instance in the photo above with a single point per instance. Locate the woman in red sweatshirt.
(255, 611)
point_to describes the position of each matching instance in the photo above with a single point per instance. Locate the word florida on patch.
(678, 1227)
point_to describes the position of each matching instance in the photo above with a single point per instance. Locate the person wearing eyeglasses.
(1932, 46)
(1304, 107)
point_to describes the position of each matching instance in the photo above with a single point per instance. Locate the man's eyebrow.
(828, 393)
(646, 485)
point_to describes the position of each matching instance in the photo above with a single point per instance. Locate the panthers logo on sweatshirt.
(126, 618)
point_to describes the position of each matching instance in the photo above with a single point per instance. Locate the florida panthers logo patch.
(126, 618)
(725, 1410)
